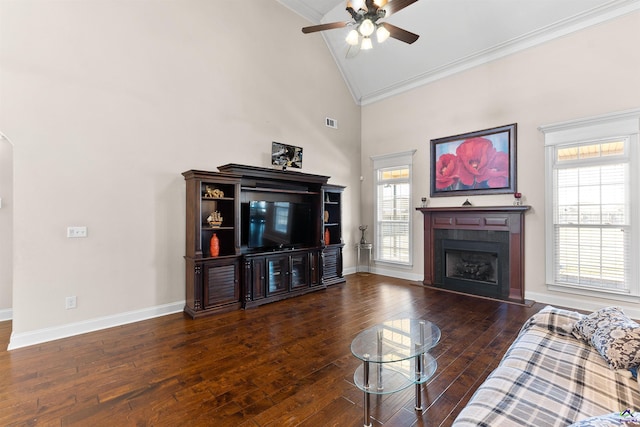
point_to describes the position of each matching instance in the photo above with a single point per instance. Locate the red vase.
(214, 246)
(327, 236)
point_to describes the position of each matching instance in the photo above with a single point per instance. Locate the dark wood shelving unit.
(332, 221)
(242, 276)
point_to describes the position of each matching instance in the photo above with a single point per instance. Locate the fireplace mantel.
(481, 218)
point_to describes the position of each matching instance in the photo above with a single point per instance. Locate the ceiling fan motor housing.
(370, 9)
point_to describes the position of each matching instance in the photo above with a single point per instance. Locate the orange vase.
(214, 246)
(327, 236)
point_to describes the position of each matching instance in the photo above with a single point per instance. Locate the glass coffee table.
(397, 350)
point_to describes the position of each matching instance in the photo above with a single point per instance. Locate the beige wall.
(6, 228)
(108, 102)
(592, 72)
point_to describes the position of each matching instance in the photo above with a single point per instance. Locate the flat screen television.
(287, 156)
(272, 224)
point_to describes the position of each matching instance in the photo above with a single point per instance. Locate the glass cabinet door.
(299, 271)
(278, 274)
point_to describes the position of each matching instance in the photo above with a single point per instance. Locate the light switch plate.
(74, 232)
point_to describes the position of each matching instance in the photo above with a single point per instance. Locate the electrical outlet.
(73, 232)
(70, 302)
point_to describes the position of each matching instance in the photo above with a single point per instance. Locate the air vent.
(331, 123)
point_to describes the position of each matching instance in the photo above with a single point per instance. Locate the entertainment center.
(258, 235)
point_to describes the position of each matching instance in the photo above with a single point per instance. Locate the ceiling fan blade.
(322, 27)
(397, 5)
(400, 34)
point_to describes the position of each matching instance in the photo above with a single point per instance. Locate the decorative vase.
(214, 246)
(363, 240)
(327, 236)
(326, 216)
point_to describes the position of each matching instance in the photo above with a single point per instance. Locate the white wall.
(6, 228)
(107, 102)
(592, 72)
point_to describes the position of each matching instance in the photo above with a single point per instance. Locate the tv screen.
(287, 156)
(278, 224)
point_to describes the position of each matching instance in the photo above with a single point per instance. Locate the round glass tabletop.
(395, 340)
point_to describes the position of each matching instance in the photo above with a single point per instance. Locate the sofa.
(564, 368)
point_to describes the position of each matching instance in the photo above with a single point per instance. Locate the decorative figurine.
(467, 203)
(424, 202)
(363, 240)
(215, 219)
(213, 193)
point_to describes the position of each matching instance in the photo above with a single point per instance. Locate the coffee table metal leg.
(380, 386)
(419, 369)
(418, 376)
(367, 396)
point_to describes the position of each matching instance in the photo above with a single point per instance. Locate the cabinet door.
(221, 283)
(299, 271)
(330, 263)
(314, 266)
(278, 274)
(258, 278)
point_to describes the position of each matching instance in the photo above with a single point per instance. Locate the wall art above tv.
(286, 156)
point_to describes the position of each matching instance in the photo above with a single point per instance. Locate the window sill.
(611, 295)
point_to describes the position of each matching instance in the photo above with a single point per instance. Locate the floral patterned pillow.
(585, 327)
(626, 418)
(619, 343)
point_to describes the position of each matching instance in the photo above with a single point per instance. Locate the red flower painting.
(480, 161)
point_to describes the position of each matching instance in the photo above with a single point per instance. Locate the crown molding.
(561, 28)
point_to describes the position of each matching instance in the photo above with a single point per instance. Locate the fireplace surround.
(462, 245)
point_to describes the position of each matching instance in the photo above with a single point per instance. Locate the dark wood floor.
(283, 364)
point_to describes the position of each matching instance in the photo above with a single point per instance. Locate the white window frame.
(385, 162)
(623, 125)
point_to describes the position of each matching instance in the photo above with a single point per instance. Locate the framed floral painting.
(481, 162)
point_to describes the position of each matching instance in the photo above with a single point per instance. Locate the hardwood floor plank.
(283, 364)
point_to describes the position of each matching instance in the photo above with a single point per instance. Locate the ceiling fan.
(366, 14)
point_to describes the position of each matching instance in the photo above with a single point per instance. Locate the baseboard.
(24, 339)
(6, 314)
(349, 270)
(397, 274)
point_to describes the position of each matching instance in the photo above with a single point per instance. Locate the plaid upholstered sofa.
(563, 368)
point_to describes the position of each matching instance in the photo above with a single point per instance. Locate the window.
(592, 188)
(393, 242)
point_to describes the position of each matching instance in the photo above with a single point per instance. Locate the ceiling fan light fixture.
(353, 38)
(367, 28)
(382, 34)
(366, 44)
(380, 3)
(355, 4)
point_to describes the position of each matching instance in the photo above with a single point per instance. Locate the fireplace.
(476, 267)
(475, 250)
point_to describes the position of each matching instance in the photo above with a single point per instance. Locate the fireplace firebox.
(475, 267)
(475, 250)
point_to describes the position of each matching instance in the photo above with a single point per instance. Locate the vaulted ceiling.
(454, 35)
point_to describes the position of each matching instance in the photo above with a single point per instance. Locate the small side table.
(364, 247)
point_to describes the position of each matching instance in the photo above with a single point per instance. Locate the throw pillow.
(609, 420)
(554, 319)
(619, 343)
(585, 327)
